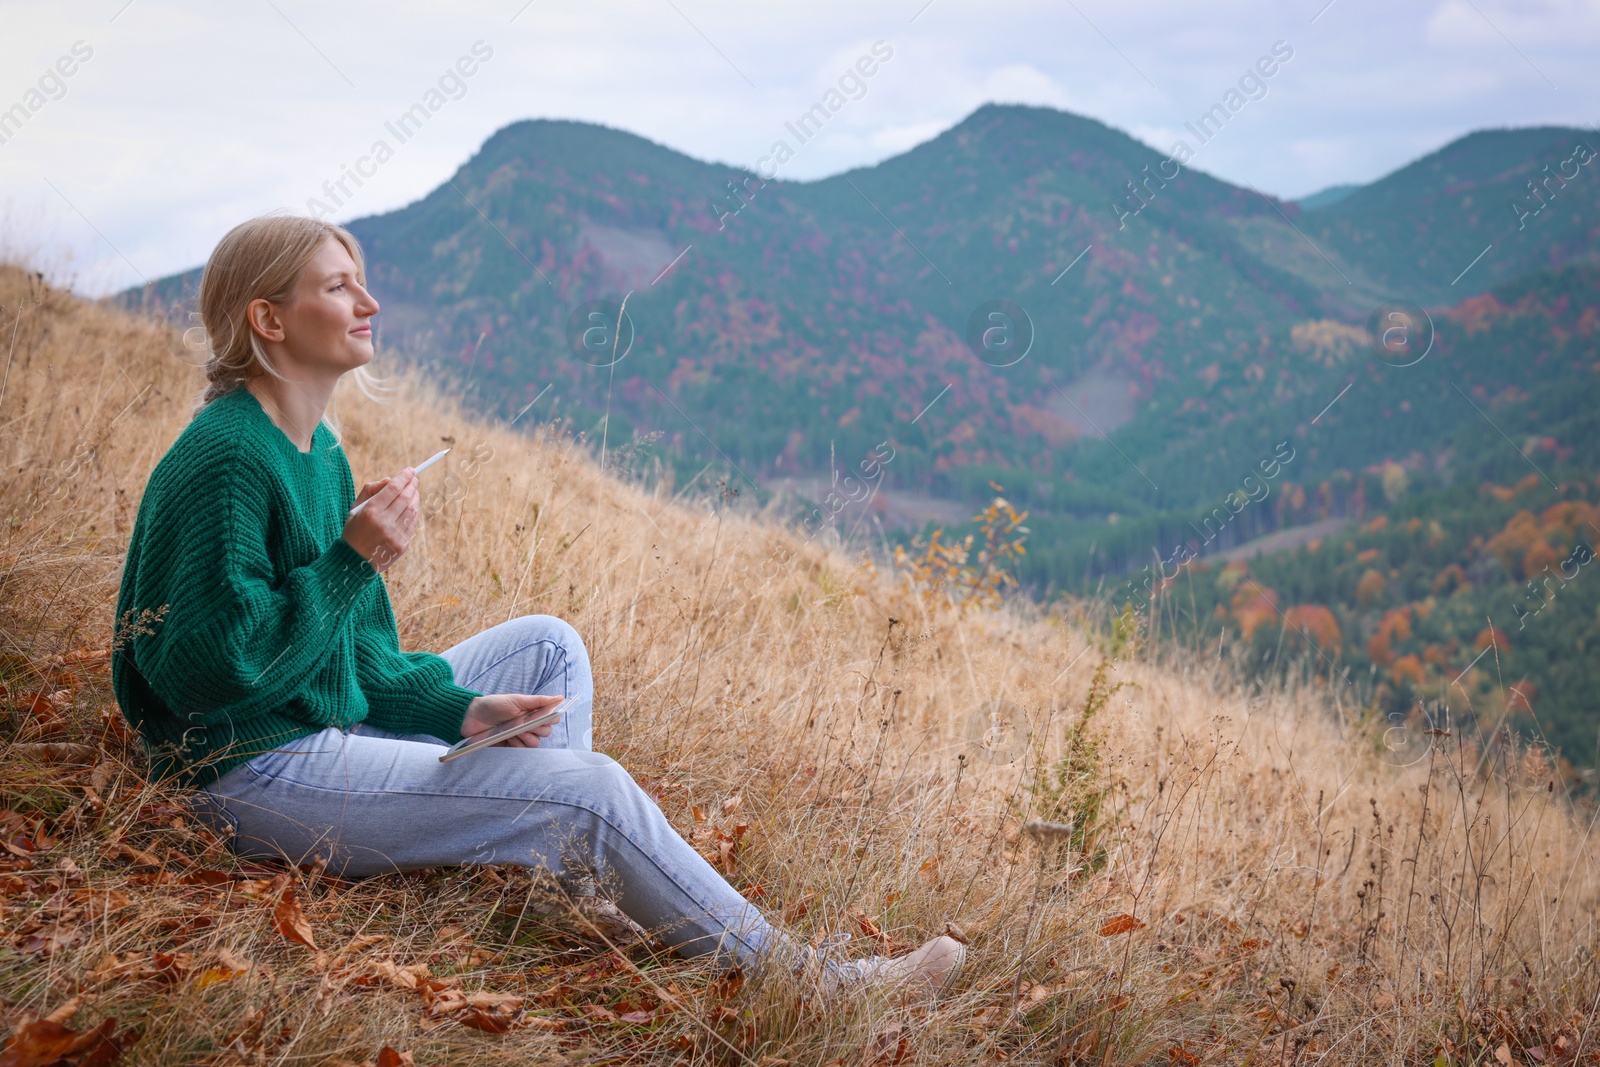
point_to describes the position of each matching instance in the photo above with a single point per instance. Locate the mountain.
(1325, 197)
(1523, 200)
(818, 318)
(786, 329)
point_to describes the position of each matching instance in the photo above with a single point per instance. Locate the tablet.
(500, 733)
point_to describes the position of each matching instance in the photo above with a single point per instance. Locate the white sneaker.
(928, 970)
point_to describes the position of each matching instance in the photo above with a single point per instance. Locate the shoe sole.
(954, 973)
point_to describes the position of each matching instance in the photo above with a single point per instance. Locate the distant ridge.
(1326, 197)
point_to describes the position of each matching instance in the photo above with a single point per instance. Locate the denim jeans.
(373, 802)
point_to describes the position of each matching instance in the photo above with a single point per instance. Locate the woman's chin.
(360, 353)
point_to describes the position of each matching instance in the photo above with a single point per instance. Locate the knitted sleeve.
(237, 639)
(407, 692)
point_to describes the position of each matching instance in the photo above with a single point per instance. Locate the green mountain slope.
(1523, 199)
(781, 327)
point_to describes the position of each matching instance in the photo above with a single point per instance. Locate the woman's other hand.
(382, 530)
(490, 710)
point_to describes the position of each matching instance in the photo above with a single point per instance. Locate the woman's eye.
(337, 288)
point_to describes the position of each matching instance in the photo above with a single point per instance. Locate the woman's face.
(327, 323)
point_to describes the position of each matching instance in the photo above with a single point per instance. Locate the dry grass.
(1283, 895)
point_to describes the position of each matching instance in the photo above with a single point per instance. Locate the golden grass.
(1284, 894)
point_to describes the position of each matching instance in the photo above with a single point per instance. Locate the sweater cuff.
(439, 711)
(351, 566)
(345, 575)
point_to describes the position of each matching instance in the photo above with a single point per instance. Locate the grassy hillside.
(1252, 877)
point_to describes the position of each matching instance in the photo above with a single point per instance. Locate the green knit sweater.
(261, 623)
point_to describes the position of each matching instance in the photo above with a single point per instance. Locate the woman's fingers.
(531, 738)
(370, 489)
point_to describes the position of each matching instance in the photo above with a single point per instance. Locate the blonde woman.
(274, 684)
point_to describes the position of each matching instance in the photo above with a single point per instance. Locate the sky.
(181, 118)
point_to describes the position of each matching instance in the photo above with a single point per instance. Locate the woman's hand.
(382, 530)
(490, 710)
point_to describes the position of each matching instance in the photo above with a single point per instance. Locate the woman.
(267, 671)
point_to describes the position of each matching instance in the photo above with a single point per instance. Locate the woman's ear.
(263, 318)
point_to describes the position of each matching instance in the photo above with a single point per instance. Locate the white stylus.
(424, 465)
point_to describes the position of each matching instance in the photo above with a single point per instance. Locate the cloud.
(194, 115)
(1558, 23)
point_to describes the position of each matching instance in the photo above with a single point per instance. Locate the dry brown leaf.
(227, 968)
(361, 941)
(1119, 924)
(506, 1002)
(287, 916)
(890, 1046)
(390, 1057)
(541, 1022)
(117, 850)
(487, 1021)
(47, 1042)
(410, 976)
(101, 902)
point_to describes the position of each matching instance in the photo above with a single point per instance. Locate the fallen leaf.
(287, 916)
(506, 1002)
(643, 1018)
(406, 977)
(102, 902)
(728, 985)
(228, 967)
(43, 1042)
(47, 707)
(487, 1021)
(361, 941)
(890, 1046)
(869, 927)
(117, 850)
(206, 877)
(389, 1057)
(47, 1042)
(540, 1022)
(1119, 924)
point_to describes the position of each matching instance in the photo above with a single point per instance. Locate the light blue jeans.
(373, 802)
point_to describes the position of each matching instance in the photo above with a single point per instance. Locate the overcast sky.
(187, 117)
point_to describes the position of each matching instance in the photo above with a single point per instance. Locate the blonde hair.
(261, 259)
